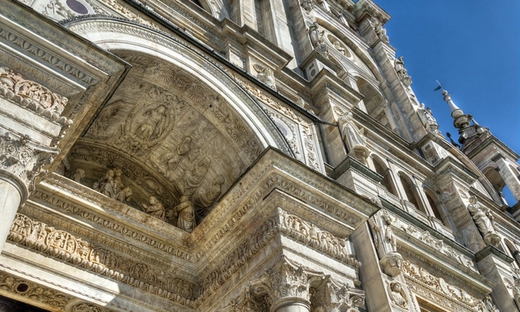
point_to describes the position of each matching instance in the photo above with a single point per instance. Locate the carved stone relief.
(449, 296)
(22, 158)
(34, 292)
(65, 246)
(292, 226)
(32, 96)
(172, 136)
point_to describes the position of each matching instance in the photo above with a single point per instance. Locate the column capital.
(21, 161)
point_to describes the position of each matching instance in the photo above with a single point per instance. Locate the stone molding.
(65, 246)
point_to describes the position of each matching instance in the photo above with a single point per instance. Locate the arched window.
(435, 205)
(498, 184)
(374, 102)
(385, 173)
(411, 192)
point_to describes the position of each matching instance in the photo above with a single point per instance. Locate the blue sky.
(473, 48)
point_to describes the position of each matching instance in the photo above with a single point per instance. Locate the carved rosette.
(23, 160)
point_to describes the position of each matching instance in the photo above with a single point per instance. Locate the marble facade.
(238, 156)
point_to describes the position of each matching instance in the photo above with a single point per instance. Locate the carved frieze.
(65, 246)
(108, 223)
(51, 298)
(33, 96)
(438, 244)
(450, 296)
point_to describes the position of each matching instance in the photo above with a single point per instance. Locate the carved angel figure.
(154, 208)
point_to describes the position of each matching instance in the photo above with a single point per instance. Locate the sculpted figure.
(482, 217)
(389, 234)
(124, 195)
(206, 197)
(78, 175)
(195, 177)
(398, 294)
(265, 75)
(106, 184)
(153, 124)
(380, 31)
(353, 137)
(185, 212)
(154, 208)
(118, 183)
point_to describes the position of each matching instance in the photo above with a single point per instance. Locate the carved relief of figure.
(154, 208)
(338, 47)
(265, 75)
(205, 198)
(195, 177)
(103, 121)
(185, 212)
(182, 150)
(398, 294)
(153, 124)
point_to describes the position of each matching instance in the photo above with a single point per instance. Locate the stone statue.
(353, 137)
(154, 208)
(402, 73)
(397, 294)
(389, 234)
(185, 212)
(106, 185)
(484, 221)
(78, 175)
(265, 75)
(380, 31)
(124, 195)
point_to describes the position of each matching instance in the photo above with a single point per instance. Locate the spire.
(461, 121)
(468, 132)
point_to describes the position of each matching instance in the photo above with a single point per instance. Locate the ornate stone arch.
(179, 128)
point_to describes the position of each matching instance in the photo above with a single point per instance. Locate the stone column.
(30, 123)
(289, 287)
